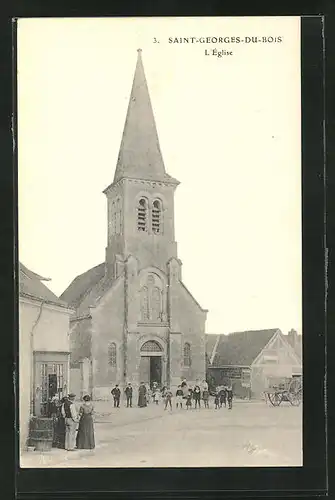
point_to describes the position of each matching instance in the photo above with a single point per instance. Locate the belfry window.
(187, 354)
(112, 354)
(142, 215)
(156, 222)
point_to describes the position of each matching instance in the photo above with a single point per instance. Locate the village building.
(135, 319)
(44, 347)
(252, 361)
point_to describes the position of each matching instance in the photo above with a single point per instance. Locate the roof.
(31, 285)
(295, 342)
(140, 155)
(240, 348)
(82, 284)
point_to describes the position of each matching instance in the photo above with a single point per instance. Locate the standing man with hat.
(70, 415)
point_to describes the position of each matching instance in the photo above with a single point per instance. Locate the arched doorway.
(151, 362)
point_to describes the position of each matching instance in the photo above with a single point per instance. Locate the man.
(230, 396)
(129, 395)
(116, 393)
(70, 415)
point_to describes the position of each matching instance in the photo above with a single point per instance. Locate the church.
(135, 319)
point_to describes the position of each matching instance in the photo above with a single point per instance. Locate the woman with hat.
(85, 436)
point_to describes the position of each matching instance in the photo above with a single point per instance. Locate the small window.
(187, 354)
(156, 222)
(142, 214)
(112, 354)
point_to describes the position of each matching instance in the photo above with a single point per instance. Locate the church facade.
(135, 319)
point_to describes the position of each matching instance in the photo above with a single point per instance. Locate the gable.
(241, 348)
(190, 296)
(278, 350)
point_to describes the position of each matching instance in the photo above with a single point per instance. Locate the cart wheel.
(295, 398)
(275, 398)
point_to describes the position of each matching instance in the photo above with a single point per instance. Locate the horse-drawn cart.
(289, 390)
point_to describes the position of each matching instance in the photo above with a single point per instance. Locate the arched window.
(113, 218)
(145, 303)
(112, 354)
(118, 216)
(142, 215)
(152, 299)
(187, 354)
(156, 303)
(151, 346)
(156, 221)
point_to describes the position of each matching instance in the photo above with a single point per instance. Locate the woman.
(142, 395)
(85, 435)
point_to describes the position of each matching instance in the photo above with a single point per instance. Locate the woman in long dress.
(85, 435)
(142, 395)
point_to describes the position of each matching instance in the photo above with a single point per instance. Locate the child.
(223, 397)
(217, 400)
(168, 399)
(156, 396)
(149, 396)
(196, 396)
(205, 397)
(179, 397)
(189, 399)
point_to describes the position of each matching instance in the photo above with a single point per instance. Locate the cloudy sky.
(229, 131)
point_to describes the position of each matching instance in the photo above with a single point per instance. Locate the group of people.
(185, 395)
(223, 395)
(73, 428)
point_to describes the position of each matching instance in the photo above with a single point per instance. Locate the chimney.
(292, 336)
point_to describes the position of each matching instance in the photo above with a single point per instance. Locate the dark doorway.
(52, 385)
(155, 369)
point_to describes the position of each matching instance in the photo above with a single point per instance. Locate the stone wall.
(107, 328)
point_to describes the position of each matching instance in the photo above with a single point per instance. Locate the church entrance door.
(151, 369)
(155, 370)
(151, 363)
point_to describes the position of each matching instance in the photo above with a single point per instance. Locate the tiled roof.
(31, 284)
(82, 284)
(241, 348)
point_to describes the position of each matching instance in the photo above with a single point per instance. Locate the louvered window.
(156, 217)
(142, 215)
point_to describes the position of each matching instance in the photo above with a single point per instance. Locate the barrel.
(41, 433)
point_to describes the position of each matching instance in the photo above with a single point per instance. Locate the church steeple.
(141, 197)
(140, 156)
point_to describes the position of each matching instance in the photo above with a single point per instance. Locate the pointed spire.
(140, 156)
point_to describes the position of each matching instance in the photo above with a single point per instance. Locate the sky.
(229, 130)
